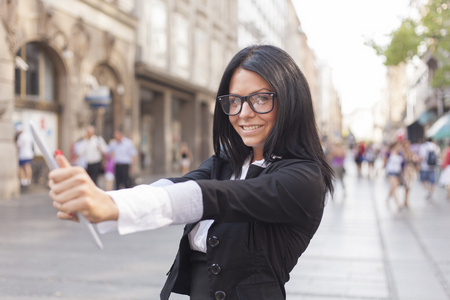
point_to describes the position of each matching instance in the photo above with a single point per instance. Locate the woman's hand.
(73, 191)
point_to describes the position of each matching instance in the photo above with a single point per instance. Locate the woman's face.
(252, 127)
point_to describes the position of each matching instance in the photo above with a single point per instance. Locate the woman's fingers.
(71, 190)
(61, 160)
(72, 205)
(76, 186)
(67, 216)
(62, 174)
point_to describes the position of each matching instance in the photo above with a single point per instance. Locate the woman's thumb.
(61, 159)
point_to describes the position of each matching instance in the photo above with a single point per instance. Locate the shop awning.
(441, 129)
(427, 117)
(99, 96)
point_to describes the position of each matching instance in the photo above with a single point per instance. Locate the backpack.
(432, 158)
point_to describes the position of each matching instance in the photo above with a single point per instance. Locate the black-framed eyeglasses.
(261, 103)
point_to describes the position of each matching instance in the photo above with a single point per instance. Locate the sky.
(336, 31)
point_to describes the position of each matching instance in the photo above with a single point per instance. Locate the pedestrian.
(124, 153)
(251, 209)
(75, 158)
(409, 169)
(93, 148)
(444, 179)
(370, 158)
(359, 157)
(428, 155)
(25, 152)
(110, 169)
(186, 158)
(336, 157)
(394, 169)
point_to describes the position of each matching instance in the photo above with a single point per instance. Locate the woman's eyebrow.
(257, 91)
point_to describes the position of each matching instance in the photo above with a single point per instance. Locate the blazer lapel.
(253, 171)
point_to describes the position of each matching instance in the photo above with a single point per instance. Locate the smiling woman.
(267, 181)
(253, 126)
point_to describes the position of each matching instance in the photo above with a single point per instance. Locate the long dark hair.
(295, 133)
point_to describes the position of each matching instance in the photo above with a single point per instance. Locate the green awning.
(441, 129)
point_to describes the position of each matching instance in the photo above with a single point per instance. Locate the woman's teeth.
(251, 127)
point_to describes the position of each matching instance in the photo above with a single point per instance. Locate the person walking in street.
(428, 156)
(75, 158)
(359, 157)
(251, 209)
(394, 169)
(93, 148)
(444, 179)
(185, 158)
(370, 158)
(110, 169)
(336, 157)
(25, 152)
(409, 169)
(124, 153)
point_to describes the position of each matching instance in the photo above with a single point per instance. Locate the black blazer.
(262, 226)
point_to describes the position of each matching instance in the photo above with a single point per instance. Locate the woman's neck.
(257, 156)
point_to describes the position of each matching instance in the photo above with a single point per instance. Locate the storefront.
(52, 58)
(171, 114)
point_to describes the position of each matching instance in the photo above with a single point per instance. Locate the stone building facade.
(52, 55)
(182, 49)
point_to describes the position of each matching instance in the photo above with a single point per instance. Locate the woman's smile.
(250, 127)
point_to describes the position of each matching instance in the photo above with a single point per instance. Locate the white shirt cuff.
(187, 202)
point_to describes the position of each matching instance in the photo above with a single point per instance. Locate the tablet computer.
(52, 164)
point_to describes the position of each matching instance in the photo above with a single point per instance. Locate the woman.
(394, 167)
(359, 157)
(444, 179)
(409, 169)
(336, 158)
(186, 158)
(25, 152)
(243, 236)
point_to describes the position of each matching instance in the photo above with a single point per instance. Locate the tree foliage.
(429, 34)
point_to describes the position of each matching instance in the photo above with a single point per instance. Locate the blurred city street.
(363, 249)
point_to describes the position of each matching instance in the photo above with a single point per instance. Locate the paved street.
(362, 250)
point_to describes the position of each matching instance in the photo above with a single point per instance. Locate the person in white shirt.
(427, 170)
(92, 148)
(123, 152)
(394, 169)
(26, 154)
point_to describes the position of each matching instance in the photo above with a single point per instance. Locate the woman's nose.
(246, 110)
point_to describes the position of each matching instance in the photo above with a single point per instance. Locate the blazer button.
(215, 269)
(220, 295)
(213, 241)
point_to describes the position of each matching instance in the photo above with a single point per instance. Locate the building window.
(201, 57)
(180, 49)
(35, 74)
(157, 34)
(218, 65)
